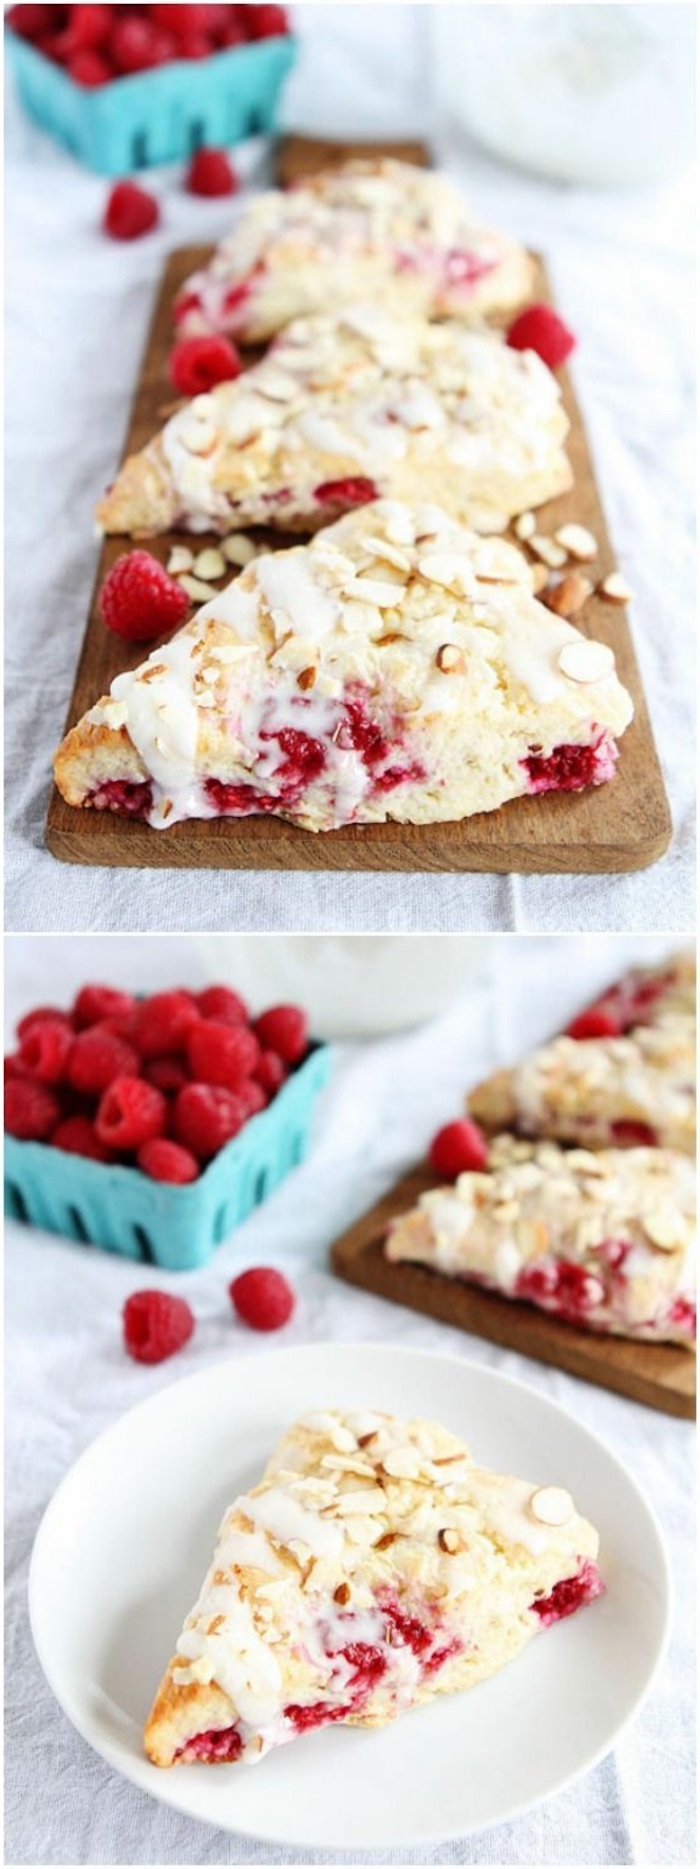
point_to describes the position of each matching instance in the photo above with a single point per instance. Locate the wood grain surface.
(624, 825)
(659, 1375)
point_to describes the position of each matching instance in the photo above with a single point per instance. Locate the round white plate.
(123, 1547)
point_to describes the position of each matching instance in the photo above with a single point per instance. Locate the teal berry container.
(160, 115)
(176, 1228)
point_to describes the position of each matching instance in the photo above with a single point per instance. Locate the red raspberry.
(163, 1022)
(39, 1015)
(129, 1113)
(13, 1067)
(222, 1004)
(97, 1056)
(262, 1298)
(252, 1095)
(44, 1049)
(31, 1110)
(89, 69)
(195, 46)
(211, 173)
(270, 1072)
(135, 44)
(89, 26)
(155, 1325)
(94, 1004)
(76, 1135)
(180, 20)
(595, 1023)
(457, 1148)
(221, 1054)
(130, 212)
(266, 22)
(206, 1117)
(168, 1075)
(235, 34)
(539, 328)
(167, 1161)
(31, 21)
(284, 1029)
(139, 600)
(632, 1135)
(196, 364)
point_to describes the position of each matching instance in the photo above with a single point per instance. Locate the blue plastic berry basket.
(156, 116)
(176, 1228)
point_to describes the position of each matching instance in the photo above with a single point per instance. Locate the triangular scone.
(374, 1567)
(602, 1240)
(346, 409)
(382, 230)
(637, 1087)
(397, 667)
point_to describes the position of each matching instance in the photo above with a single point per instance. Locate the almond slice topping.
(450, 659)
(569, 594)
(577, 542)
(552, 1505)
(586, 661)
(615, 589)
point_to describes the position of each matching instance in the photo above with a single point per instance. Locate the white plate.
(123, 1547)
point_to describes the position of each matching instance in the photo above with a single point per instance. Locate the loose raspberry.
(211, 173)
(130, 212)
(262, 1298)
(31, 21)
(167, 1161)
(196, 364)
(541, 329)
(139, 600)
(77, 1135)
(266, 22)
(89, 26)
(284, 1029)
(597, 1022)
(206, 1117)
(39, 1015)
(222, 1004)
(252, 1095)
(458, 1148)
(89, 69)
(96, 1057)
(155, 1325)
(130, 1112)
(168, 1075)
(97, 1003)
(162, 1023)
(31, 1109)
(221, 1054)
(270, 1072)
(44, 1049)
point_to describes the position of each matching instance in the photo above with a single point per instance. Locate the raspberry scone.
(346, 409)
(635, 1086)
(397, 667)
(374, 1567)
(602, 1240)
(381, 230)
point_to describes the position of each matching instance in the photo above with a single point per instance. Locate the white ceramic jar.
(353, 986)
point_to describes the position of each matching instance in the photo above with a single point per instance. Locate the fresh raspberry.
(252, 1095)
(194, 46)
(139, 600)
(211, 173)
(31, 21)
(94, 1004)
(182, 21)
(352, 491)
(221, 1054)
(96, 1057)
(135, 44)
(31, 1109)
(167, 1161)
(284, 1029)
(266, 22)
(541, 329)
(168, 1074)
(13, 1067)
(130, 1112)
(89, 69)
(130, 211)
(222, 1004)
(206, 1117)
(77, 1135)
(597, 1022)
(457, 1149)
(39, 1015)
(270, 1072)
(262, 1298)
(155, 1325)
(44, 1049)
(162, 1023)
(196, 364)
(235, 34)
(89, 26)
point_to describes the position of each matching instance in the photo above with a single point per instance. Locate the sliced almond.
(450, 659)
(550, 553)
(209, 563)
(615, 589)
(307, 678)
(372, 591)
(443, 568)
(342, 1594)
(198, 437)
(402, 1463)
(448, 1541)
(525, 526)
(577, 542)
(586, 661)
(664, 1226)
(552, 1505)
(540, 578)
(180, 559)
(382, 548)
(387, 1539)
(238, 548)
(569, 594)
(200, 592)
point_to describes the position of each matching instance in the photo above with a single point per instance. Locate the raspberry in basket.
(44, 1049)
(155, 1325)
(77, 1135)
(96, 1057)
(211, 173)
(284, 1029)
(167, 1161)
(262, 1297)
(139, 600)
(31, 1110)
(220, 1002)
(163, 1022)
(130, 212)
(196, 364)
(221, 1054)
(207, 1117)
(129, 1113)
(95, 1003)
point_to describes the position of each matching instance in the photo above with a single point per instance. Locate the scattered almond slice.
(238, 548)
(577, 542)
(552, 1505)
(383, 549)
(586, 661)
(200, 592)
(525, 526)
(615, 589)
(209, 563)
(450, 659)
(568, 595)
(180, 559)
(546, 549)
(540, 578)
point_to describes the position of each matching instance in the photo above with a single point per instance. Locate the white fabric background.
(78, 311)
(67, 1378)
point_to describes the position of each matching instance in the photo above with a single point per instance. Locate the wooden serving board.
(658, 1374)
(624, 825)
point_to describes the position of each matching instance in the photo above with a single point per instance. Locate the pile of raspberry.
(97, 44)
(160, 1084)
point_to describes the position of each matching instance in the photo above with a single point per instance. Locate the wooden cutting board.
(621, 826)
(657, 1374)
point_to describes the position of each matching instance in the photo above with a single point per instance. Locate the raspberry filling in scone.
(397, 667)
(384, 230)
(345, 409)
(374, 1567)
(605, 1241)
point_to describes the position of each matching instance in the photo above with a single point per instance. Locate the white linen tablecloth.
(67, 1379)
(78, 311)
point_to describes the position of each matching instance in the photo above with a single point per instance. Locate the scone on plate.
(624, 1073)
(603, 1240)
(374, 1567)
(398, 667)
(346, 408)
(381, 230)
